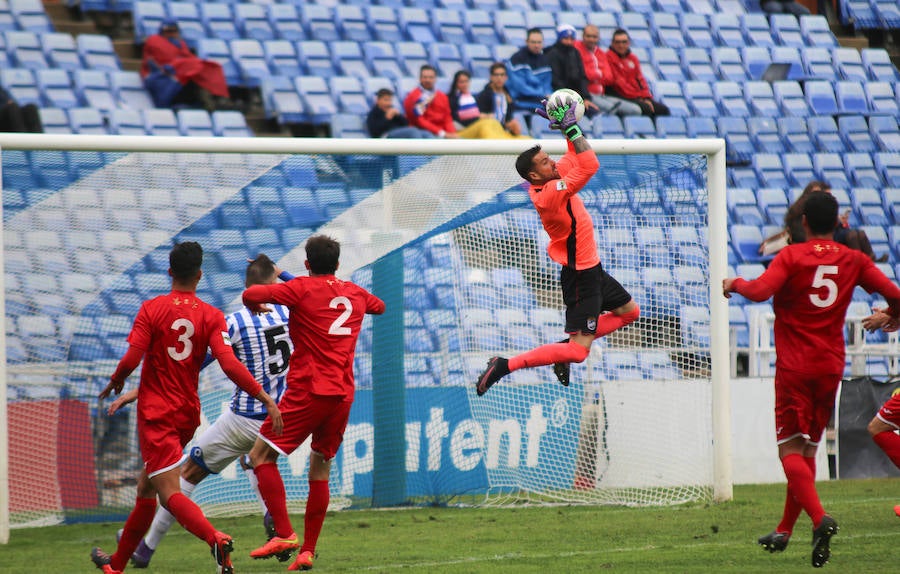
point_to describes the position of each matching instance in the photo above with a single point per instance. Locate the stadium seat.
(315, 58)
(56, 88)
(190, 23)
(351, 22)
(666, 28)
(855, 132)
(218, 20)
(348, 92)
(60, 50)
(816, 31)
(87, 121)
(756, 29)
(824, 132)
(128, 89)
(318, 102)
(788, 55)
(817, 64)
(384, 24)
(888, 166)
(729, 97)
(126, 122)
(881, 98)
(848, 62)
(479, 27)
(250, 59)
(700, 97)
(281, 58)
(728, 64)
(416, 23)
(737, 137)
(253, 22)
(285, 22)
(861, 170)
(878, 65)
(671, 126)
(884, 130)
(743, 207)
(774, 203)
(791, 99)
(639, 127)
(218, 51)
(671, 95)
(24, 49)
(829, 167)
(510, 26)
(55, 121)
(477, 59)
(93, 88)
(608, 126)
(382, 59)
(347, 59)
(697, 65)
(318, 22)
(770, 170)
(763, 131)
(696, 28)
(161, 122)
(448, 26)
(195, 123)
(701, 127)
(746, 239)
(97, 52)
(761, 99)
(756, 60)
(346, 125)
(31, 16)
(667, 63)
(147, 16)
(786, 30)
(795, 134)
(798, 167)
(851, 98)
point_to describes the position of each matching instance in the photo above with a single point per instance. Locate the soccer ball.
(559, 97)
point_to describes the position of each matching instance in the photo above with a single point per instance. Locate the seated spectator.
(174, 75)
(784, 7)
(386, 121)
(16, 118)
(467, 117)
(530, 77)
(794, 233)
(567, 69)
(494, 100)
(429, 109)
(599, 75)
(628, 79)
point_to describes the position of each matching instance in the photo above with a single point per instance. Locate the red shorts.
(322, 416)
(890, 411)
(803, 404)
(162, 443)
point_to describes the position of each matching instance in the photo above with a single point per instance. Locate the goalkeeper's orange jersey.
(563, 214)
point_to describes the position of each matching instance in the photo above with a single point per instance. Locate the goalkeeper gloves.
(561, 118)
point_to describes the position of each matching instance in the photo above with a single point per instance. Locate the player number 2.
(184, 338)
(820, 280)
(337, 328)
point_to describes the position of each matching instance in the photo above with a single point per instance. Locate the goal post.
(415, 208)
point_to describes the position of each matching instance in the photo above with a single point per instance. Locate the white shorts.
(228, 438)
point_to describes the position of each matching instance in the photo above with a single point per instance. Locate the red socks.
(136, 525)
(609, 322)
(189, 515)
(316, 507)
(567, 352)
(802, 484)
(889, 442)
(271, 488)
(792, 508)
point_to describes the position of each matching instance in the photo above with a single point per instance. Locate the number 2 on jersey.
(337, 328)
(820, 280)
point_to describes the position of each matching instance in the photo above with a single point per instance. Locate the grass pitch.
(689, 538)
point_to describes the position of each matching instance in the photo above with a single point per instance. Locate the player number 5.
(820, 280)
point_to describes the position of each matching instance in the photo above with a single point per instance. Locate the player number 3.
(819, 280)
(184, 338)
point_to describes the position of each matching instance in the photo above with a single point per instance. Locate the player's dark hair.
(525, 161)
(185, 260)
(821, 211)
(323, 253)
(260, 271)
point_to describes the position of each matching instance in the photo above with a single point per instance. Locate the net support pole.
(718, 306)
(388, 385)
(4, 412)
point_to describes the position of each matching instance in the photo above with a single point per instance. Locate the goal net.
(445, 233)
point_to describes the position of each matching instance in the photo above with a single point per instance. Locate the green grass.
(717, 538)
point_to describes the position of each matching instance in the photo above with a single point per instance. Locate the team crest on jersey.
(561, 185)
(225, 338)
(592, 323)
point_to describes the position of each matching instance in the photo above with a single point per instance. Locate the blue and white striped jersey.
(262, 343)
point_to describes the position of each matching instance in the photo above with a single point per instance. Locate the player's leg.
(135, 526)
(882, 429)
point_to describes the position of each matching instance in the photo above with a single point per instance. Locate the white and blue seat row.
(148, 121)
(40, 50)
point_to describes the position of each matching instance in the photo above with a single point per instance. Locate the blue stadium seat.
(829, 167)
(861, 170)
(756, 29)
(25, 51)
(126, 122)
(696, 28)
(286, 22)
(161, 122)
(93, 88)
(737, 136)
(881, 98)
(606, 22)
(773, 202)
(701, 127)
(510, 26)
(318, 21)
(416, 23)
(851, 98)
(315, 57)
(56, 88)
(791, 99)
(608, 126)
(824, 132)
(31, 16)
(671, 95)
(479, 27)
(383, 60)
(867, 203)
(250, 59)
(97, 52)
(412, 56)
(743, 207)
(786, 30)
(384, 24)
(542, 19)
(763, 131)
(855, 133)
(187, 14)
(848, 62)
(671, 127)
(730, 98)
(128, 89)
(371, 85)
(888, 166)
(639, 127)
(253, 22)
(770, 170)
(345, 125)
(884, 131)
(55, 121)
(60, 50)
(789, 55)
(281, 57)
(728, 64)
(666, 28)
(195, 123)
(445, 57)
(761, 99)
(347, 58)
(218, 51)
(147, 16)
(726, 28)
(697, 65)
(352, 24)
(218, 21)
(888, 13)
(448, 26)
(798, 167)
(756, 60)
(318, 102)
(637, 26)
(477, 59)
(667, 63)
(348, 92)
(878, 65)
(87, 121)
(746, 239)
(817, 64)
(816, 31)
(700, 97)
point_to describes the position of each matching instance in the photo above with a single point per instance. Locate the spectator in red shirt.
(428, 108)
(628, 79)
(599, 75)
(811, 285)
(325, 318)
(171, 333)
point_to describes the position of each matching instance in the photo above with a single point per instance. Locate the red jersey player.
(172, 333)
(588, 290)
(812, 285)
(325, 318)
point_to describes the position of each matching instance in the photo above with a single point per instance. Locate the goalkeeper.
(596, 304)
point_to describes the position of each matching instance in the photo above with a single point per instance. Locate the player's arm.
(874, 281)
(256, 296)
(761, 288)
(374, 305)
(122, 400)
(127, 364)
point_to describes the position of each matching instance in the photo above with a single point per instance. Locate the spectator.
(472, 124)
(386, 121)
(530, 77)
(429, 109)
(628, 79)
(784, 7)
(174, 75)
(599, 75)
(567, 69)
(16, 118)
(494, 100)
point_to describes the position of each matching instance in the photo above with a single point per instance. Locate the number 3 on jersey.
(821, 280)
(337, 328)
(184, 338)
